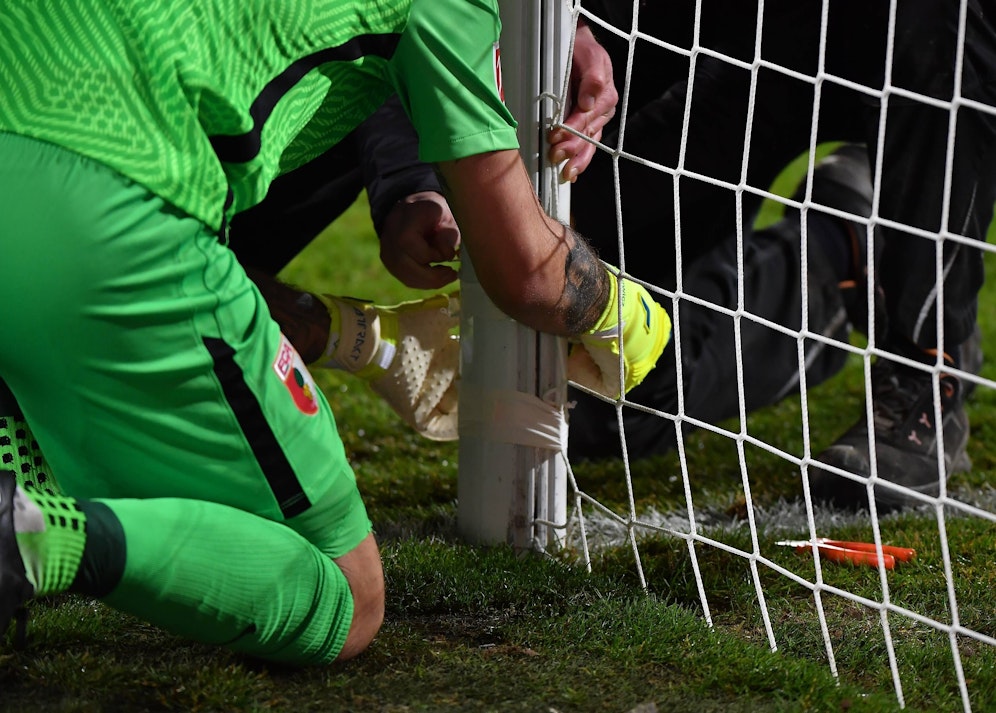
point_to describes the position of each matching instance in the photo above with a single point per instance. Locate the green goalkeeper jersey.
(205, 102)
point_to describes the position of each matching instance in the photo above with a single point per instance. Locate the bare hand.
(593, 98)
(418, 234)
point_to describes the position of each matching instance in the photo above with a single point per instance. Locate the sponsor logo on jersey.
(291, 370)
(498, 85)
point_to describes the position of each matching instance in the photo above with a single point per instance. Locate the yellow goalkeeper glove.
(593, 360)
(406, 352)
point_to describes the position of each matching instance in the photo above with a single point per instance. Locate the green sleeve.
(448, 75)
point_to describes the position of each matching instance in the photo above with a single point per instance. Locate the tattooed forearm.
(586, 287)
(302, 318)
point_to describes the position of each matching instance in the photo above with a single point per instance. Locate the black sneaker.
(15, 589)
(905, 442)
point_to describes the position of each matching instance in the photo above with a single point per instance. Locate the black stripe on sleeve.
(272, 460)
(245, 147)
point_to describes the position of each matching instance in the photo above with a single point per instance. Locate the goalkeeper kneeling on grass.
(204, 487)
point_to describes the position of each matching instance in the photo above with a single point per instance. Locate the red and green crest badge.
(292, 371)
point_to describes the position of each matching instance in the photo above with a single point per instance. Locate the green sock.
(20, 453)
(222, 576)
(51, 536)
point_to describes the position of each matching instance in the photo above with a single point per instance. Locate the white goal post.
(512, 484)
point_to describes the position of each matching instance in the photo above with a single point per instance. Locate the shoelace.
(895, 389)
(891, 394)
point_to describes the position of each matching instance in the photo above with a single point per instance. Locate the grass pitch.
(483, 629)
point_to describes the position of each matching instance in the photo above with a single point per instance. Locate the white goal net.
(807, 189)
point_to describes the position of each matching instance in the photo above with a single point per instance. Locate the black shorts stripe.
(245, 147)
(272, 460)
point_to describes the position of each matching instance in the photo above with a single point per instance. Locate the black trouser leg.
(770, 358)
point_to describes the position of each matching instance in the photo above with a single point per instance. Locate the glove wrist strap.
(362, 338)
(608, 323)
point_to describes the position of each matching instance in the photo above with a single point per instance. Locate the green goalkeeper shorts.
(145, 360)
